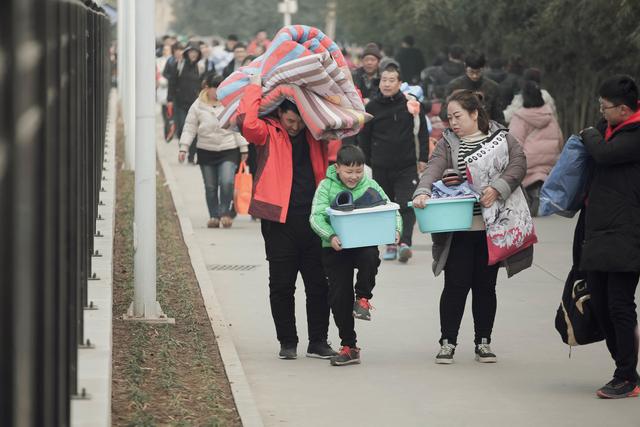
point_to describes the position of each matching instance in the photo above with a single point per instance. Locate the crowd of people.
(427, 120)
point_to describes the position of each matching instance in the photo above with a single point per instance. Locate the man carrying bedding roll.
(290, 165)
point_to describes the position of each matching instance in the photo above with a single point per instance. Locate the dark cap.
(372, 49)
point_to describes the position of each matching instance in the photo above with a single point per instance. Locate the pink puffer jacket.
(538, 132)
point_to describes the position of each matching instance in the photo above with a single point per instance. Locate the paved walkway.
(535, 382)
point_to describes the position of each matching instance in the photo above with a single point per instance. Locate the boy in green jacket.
(347, 175)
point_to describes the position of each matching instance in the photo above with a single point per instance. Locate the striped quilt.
(306, 67)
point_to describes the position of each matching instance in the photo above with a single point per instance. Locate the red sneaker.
(362, 309)
(347, 356)
(617, 389)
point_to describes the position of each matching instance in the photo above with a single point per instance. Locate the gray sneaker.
(445, 355)
(484, 353)
(320, 350)
(347, 356)
(362, 309)
(288, 352)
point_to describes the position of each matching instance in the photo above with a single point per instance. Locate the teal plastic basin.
(444, 215)
(365, 227)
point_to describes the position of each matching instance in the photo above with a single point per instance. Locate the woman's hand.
(489, 195)
(336, 244)
(182, 155)
(422, 166)
(244, 157)
(420, 201)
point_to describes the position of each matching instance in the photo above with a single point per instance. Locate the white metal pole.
(145, 305)
(130, 80)
(330, 28)
(120, 46)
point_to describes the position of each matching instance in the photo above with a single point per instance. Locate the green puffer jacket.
(327, 192)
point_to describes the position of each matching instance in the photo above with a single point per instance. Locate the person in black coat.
(411, 61)
(436, 78)
(185, 83)
(474, 79)
(611, 249)
(367, 77)
(239, 55)
(389, 144)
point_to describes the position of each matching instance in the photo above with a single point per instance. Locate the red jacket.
(274, 169)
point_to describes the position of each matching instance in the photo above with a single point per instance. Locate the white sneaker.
(484, 353)
(445, 355)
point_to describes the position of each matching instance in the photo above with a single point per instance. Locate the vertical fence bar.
(47, 352)
(75, 334)
(63, 322)
(53, 67)
(25, 120)
(6, 217)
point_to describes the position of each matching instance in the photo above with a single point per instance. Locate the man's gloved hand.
(589, 132)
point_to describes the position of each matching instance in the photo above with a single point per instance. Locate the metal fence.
(54, 81)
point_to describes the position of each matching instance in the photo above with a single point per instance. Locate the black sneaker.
(288, 351)
(445, 355)
(320, 350)
(617, 389)
(484, 353)
(347, 356)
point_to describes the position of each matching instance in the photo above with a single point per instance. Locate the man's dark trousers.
(399, 184)
(612, 298)
(339, 266)
(293, 247)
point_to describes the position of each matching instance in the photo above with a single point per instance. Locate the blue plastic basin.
(444, 215)
(365, 227)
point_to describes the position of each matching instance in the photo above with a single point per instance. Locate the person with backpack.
(611, 248)
(389, 144)
(346, 177)
(219, 151)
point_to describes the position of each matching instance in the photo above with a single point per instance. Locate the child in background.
(347, 175)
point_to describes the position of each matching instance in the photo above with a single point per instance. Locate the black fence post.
(53, 98)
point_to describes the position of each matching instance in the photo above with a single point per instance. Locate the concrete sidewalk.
(535, 382)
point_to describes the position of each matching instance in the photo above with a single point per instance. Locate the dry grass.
(163, 374)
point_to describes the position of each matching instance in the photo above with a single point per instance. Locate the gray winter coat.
(445, 155)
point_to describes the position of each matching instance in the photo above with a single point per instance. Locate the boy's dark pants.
(339, 266)
(293, 247)
(612, 298)
(399, 184)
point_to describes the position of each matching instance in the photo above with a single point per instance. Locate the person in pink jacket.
(537, 130)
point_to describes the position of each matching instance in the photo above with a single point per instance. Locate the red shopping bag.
(242, 188)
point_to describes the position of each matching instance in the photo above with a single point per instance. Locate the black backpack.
(575, 319)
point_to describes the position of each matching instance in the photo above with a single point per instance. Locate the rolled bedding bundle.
(306, 67)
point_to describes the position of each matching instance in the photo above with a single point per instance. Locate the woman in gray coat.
(463, 255)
